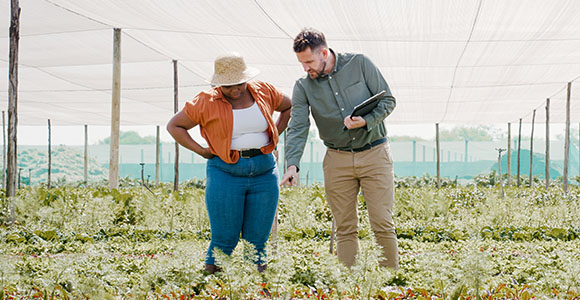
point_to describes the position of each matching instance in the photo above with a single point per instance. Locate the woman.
(235, 118)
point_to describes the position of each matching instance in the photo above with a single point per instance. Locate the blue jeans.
(241, 198)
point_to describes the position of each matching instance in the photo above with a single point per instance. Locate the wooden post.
(157, 155)
(175, 108)
(86, 158)
(49, 157)
(567, 138)
(547, 172)
(12, 104)
(531, 184)
(3, 150)
(438, 155)
(509, 155)
(519, 150)
(115, 112)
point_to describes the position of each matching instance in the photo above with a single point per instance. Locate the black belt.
(250, 153)
(365, 147)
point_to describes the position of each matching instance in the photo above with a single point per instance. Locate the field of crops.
(457, 242)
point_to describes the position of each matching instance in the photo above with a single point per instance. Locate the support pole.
(466, 150)
(115, 112)
(285, 161)
(3, 150)
(332, 236)
(175, 108)
(438, 155)
(86, 158)
(567, 139)
(11, 171)
(499, 151)
(531, 184)
(519, 150)
(414, 157)
(547, 172)
(49, 156)
(157, 155)
(509, 155)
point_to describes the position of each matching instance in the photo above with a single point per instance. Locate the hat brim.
(247, 75)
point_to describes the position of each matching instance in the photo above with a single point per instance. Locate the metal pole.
(3, 150)
(86, 158)
(157, 156)
(466, 150)
(49, 157)
(285, 161)
(414, 156)
(519, 150)
(509, 155)
(332, 236)
(547, 172)
(499, 151)
(438, 155)
(531, 184)
(115, 112)
(175, 108)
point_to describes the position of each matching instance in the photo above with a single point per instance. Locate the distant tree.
(405, 138)
(67, 162)
(130, 138)
(473, 133)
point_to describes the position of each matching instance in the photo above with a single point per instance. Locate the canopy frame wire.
(459, 61)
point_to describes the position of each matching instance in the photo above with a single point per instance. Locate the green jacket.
(330, 99)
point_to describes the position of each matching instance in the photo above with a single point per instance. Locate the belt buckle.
(242, 154)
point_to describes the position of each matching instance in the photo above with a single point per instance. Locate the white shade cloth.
(447, 61)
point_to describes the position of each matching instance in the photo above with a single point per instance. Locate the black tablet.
(368, 105)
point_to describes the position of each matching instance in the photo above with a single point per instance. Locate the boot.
(211, 269)
(262, 268)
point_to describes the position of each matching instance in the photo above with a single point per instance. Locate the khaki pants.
(345, 173)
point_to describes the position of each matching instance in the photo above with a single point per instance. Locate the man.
(359, 155)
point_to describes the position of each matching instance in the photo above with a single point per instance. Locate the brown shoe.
(211, 269)
(262, 268)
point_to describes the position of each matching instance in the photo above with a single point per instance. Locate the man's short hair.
(309, 38)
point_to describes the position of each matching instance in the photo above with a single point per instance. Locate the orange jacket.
(214, 115)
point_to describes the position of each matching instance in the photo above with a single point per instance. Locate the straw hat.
(230, 69)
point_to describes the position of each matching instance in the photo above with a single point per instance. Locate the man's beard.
(321, 72)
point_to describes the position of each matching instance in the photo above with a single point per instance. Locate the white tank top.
(250, 129)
